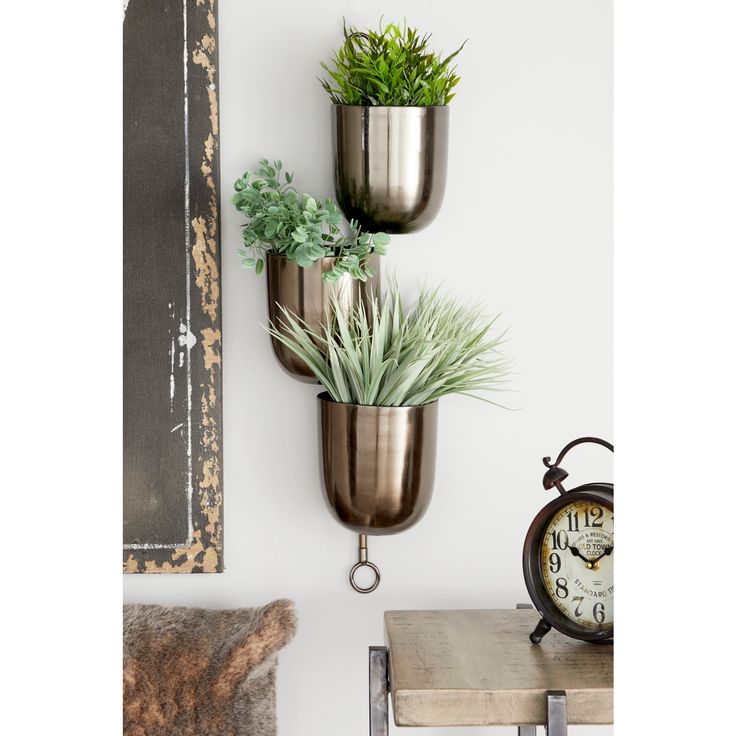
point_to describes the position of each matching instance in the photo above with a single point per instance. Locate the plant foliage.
(284, 221)
(400, 358)
(390, 66)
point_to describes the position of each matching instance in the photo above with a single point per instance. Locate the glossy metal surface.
(390, 164)
(378, 463)
(363, 561)
(556, 713)
(306, 294)
(378, 688)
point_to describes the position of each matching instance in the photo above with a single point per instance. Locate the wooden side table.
(478, 668)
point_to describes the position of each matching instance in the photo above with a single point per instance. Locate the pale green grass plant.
(440, 346)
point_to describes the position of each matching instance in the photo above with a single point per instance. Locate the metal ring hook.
(363, 562)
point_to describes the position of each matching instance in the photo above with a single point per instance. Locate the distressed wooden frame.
(193, 322)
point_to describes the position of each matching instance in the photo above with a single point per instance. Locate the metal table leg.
(378, 691)
(556, 713)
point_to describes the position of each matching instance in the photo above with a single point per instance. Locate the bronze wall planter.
(390, 164)
(378, 466)
(306, 294)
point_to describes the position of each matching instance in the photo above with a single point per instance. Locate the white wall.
(526, 226)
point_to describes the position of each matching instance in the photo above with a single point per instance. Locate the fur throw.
(201, 672)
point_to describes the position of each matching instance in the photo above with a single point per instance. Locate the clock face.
(576, 560)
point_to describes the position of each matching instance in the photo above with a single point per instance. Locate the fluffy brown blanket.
(201, 672)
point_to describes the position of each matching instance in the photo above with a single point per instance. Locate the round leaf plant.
(299, 227)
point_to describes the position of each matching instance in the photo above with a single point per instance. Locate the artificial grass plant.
(391, 66)
(400, 357)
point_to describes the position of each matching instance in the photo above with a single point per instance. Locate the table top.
(478, 668)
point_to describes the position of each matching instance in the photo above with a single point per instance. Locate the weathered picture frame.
(172, 392)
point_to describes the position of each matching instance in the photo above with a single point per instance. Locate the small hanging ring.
(363, 562)
(355, 585)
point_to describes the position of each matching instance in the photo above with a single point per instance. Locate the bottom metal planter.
(305, 293)
(378, 465)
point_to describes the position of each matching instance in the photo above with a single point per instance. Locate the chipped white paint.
(172, 378)
(186, 338)
(178, 426)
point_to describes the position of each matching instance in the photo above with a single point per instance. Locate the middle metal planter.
(306, 294)
(378, 463)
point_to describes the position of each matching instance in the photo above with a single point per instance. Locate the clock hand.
(576, 553)
(607, 551)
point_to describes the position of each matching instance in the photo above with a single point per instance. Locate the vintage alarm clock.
(568, 556)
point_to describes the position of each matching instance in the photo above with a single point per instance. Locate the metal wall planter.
(390, 164)
(304, 292)
(378, 465)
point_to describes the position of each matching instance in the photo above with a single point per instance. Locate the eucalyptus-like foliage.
(402, 358)
(390, 66)
(303, 229)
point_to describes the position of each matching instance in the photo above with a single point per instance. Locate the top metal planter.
(390, 164)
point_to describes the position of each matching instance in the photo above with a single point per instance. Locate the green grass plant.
(391, 66)
(401, 357)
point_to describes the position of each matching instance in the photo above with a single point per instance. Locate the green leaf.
(302, 258)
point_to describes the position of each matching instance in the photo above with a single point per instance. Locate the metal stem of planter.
(363, 562)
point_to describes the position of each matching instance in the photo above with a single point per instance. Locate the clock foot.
(538, 634)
